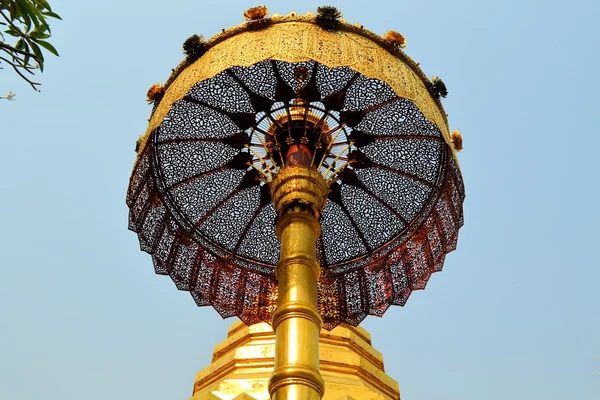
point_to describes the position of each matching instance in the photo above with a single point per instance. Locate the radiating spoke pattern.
(199, 195)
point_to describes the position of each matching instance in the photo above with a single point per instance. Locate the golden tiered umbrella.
(297, 170)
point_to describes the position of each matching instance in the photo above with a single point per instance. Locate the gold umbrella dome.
(278, 91)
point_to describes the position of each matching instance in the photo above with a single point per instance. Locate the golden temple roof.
(242, 364)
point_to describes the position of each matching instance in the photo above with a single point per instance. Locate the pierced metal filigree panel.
(200, 203)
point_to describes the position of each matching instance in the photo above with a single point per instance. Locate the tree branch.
(11, 49)
(16, 68)
(24, 55)
(20, 62)
(11, 23)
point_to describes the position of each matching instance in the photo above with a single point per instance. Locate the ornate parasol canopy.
(279, 92)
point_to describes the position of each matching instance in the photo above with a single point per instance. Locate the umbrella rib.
(197, 176)
(193, 275)
(323, 255)
(190, 99)
(185, 140)
(247, 228)
(406, 174)
(401, 136)
(383, 103)
(213, 209)
(356, 228)
(440, 231)
(146, 177)
(385, 204)
(228, 114)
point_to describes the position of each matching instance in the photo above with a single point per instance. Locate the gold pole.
(298, 194)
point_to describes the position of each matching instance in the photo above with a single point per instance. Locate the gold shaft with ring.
(299, 194)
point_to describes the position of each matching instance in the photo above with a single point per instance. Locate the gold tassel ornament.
(437, 88)
(255, 13)
(328, 17)
(457, 140)
(194, 47)
(395, 38)
(155, 93)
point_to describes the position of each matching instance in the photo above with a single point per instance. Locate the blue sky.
(516, 311)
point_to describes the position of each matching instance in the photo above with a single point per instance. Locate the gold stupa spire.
(243, 363)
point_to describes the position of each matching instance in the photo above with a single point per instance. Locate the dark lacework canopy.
(199, 195)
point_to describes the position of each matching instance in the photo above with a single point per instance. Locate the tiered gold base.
(243, 363)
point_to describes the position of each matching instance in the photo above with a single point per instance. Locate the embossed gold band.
(295, 38)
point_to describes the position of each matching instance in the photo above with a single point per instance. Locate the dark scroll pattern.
(206, 216)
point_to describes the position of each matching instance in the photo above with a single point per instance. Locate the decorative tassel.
(328, 17)
(155, 200)
(185, 239)
(419, 237)
(155, 93)
(457, 140)
(301, 74)
(194, 47)
(255, 13)
(376, 266)
(438, 88)
(395, 38)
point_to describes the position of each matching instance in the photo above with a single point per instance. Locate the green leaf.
(51, 14)
(48, 47)
(42, 3)
(13, 11)
(12, 32)
(39, 35)
(26, 58)
(24, 16)
(25, 8)
(35, 14)
(39, 57)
